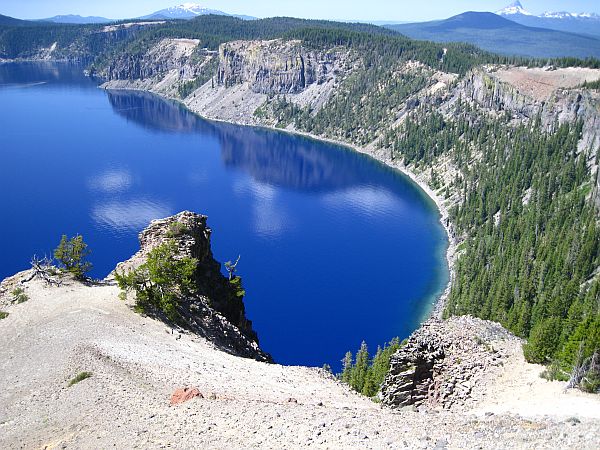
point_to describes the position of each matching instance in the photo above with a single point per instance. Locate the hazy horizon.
(375, 10)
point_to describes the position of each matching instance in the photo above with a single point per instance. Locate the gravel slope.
(138, 362)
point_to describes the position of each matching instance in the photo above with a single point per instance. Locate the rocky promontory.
(213, 310)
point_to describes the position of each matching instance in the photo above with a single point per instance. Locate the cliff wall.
(443, 362)
(233, 83)
(273, 67)
(157, 61)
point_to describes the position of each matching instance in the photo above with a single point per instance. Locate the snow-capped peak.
(514, 8)
(569, 15)
(184, 11)
(191, 8)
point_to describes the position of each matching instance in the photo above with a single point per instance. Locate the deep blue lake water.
(335, 247)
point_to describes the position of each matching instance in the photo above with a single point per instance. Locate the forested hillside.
(532, 241)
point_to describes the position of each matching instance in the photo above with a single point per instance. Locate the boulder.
(184, 394)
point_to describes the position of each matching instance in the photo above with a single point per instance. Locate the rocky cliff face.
(269, 67)
(549, 95)
(492, 92)
(214, 311)
(273, 67)
(157, 61)
(443, 361)
(234, 83)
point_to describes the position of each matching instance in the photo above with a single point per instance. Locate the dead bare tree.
(231, 267)
(43, 268)
(584, 368)
(578, 371)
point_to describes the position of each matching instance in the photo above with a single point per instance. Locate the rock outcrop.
(273, 67)
(235, 82)
(157, 61)
(541, 97)
(492, 91)
(443, 361)
(183, 395)
(214, 311)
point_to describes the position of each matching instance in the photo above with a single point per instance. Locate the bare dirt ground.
(540, 83)
(137, 363)
(519, 388)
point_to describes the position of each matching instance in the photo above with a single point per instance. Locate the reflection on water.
(130, 215)
(373, 201)
(269, 157)
(154, 113)
(111, 181)
(336, 248)
(269, 215)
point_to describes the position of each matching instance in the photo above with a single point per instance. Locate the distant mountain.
(188, 11)
(515, 8)
(497, 34)
(580, 23)
(11, 21)
(71, 18)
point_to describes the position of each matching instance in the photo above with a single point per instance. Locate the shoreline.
(439, 303)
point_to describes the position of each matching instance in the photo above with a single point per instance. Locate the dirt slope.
(138, 362)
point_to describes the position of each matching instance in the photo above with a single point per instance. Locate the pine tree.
(347, 368)
(361, 367)
(72, 254)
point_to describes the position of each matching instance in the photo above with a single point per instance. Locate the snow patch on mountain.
(189, 11)
(517, 8)
(569, 15)
(514, 8)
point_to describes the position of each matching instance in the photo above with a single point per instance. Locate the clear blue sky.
(392, 10)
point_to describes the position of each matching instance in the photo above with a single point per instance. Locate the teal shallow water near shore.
(335, 247)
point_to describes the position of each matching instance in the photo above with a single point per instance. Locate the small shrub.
(19, 295)
(590, 382)
(80, 377)
(591, 84)
(555, 372)
(3, 315)
(72, 254)
(234, 280)
(236, 283)
(177, 229)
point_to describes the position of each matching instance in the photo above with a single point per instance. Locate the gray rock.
(439, 362)
(272, 67)
(213, 310)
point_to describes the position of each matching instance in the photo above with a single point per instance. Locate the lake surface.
(335, 247)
